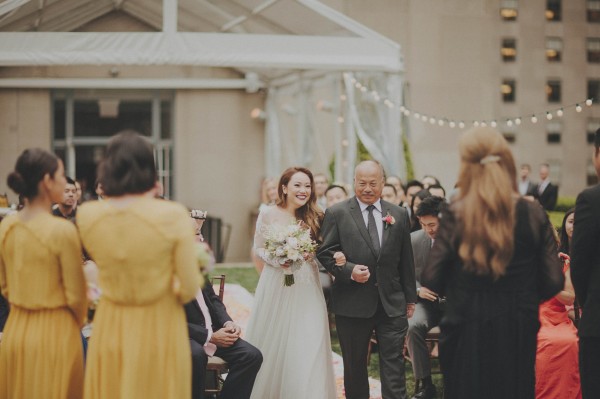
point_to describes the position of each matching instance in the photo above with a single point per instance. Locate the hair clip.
(489, 159)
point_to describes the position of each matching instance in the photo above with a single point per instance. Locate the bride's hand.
(340, 258)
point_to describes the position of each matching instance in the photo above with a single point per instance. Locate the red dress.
(556, 365)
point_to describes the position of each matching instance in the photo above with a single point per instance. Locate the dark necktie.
(372, 227)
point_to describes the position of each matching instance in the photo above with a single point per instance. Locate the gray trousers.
(427, 315)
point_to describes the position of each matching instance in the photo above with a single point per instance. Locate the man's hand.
(340, 258)
(360, 273)
(410, 310)
(426, 293)
(233, 327)
(223, 338)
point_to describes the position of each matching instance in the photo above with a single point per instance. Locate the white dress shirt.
(377, 214)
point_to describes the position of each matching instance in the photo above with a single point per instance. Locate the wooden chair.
(216, 366)
(432, 338)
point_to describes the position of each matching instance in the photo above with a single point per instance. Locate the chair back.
(221, 280)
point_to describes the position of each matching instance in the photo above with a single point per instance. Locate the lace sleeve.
(259, 236)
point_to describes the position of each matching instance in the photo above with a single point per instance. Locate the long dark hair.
(564, 239)
(128, 166)
(31, 167)
(309, 213)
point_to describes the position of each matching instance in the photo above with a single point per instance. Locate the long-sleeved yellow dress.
(147, 270)
(41, 355)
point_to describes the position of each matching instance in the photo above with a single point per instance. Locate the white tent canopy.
(287, 44)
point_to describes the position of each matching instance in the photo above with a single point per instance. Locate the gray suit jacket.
(421, 245)
(392, 270)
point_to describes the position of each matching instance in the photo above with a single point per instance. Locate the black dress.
(489, 329)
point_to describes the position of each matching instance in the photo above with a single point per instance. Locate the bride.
(289, 323)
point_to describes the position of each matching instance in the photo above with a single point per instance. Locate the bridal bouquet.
(290, 246)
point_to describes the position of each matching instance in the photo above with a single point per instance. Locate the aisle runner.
(239, 304)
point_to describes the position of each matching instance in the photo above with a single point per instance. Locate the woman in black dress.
(494, 259)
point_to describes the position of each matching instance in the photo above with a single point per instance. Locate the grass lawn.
(248, 278)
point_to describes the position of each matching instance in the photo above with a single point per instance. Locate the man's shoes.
(427, 392)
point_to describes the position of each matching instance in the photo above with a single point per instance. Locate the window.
(508, 89)
(553, 132)
(508, 50)
(593, 49)
(553, 91)
(593, 90)
(88, 119)
(553, 10)
(593, 124)
(593, 11)
(554, 46)
(509, 10)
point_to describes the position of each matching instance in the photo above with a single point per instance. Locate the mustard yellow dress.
(147, 270)
(41, 275)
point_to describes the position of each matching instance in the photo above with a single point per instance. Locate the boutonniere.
(388, 220)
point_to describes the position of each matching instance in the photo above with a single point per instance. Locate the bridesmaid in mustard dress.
(145, 252)
(41, 355)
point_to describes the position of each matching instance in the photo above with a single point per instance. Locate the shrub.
(564, 204)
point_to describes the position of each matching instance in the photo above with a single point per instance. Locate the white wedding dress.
(290, 327)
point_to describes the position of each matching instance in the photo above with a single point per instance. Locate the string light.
(442, 121)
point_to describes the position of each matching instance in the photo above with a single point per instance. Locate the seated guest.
(437, 191)
(321, 184)
(389, 194)
(429, 181)
(414, 205)
(556, 364)
(427, 310)
(397, 183)
(67, 207)
(213, 333)
(412, 187)
(335, 194)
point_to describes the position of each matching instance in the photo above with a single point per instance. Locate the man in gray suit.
(375, 289)
(427, 312)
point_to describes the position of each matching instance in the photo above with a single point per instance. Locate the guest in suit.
(375, 289)
(585, 273)
(526, 187)
(213, 333)
(427, 311)
(546, 193)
